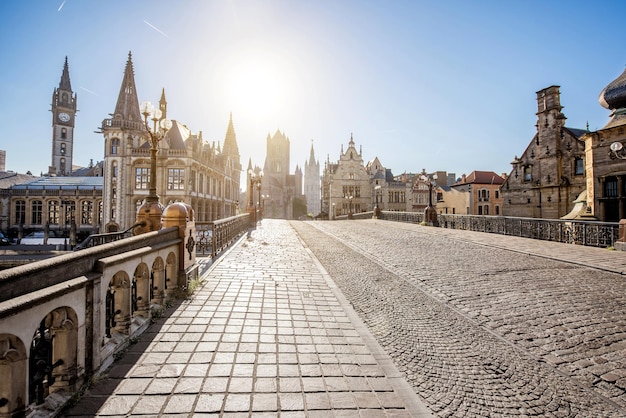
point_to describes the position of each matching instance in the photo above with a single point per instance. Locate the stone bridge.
(351, 318)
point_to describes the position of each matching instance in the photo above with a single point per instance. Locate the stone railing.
(213, 237)
(595, 234)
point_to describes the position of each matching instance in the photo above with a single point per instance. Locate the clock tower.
(63, 117)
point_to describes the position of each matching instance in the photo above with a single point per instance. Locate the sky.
(436, 85)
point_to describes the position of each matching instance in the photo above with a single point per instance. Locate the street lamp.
(377, 209)
(255, 182)
(349, 197)
(151, 210)
(617, 151)
(430, 213)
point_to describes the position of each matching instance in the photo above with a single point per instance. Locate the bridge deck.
(375, 318)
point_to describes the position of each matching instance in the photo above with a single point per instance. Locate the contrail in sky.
(155, 28)
(61, 6)
(88, 91)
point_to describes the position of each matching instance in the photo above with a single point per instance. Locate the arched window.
(63, 133)
(36, 208)
(63, 149)
(62, 166)
(115, 143)
(114, 169)
(20, 212)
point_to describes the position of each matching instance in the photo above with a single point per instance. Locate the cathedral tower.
(312, 184)
(63, 119)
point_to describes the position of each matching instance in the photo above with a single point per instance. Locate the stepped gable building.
(189, 169)
(549, 176)
(346, 187)
(279, 189)
(605, 155)
(312, 184)
(388, 192)
(64, 110)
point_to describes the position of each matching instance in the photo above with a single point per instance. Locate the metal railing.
(590, 233)
(213, 237)
(99, 239)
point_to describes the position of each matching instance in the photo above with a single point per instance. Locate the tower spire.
(65, 78)
(230, 141)
(127, 102)
(163, 105)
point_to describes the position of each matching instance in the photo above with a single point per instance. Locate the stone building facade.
(346, 187)
(483, 194)
(189, 169)
(605, 156)
(550, 174)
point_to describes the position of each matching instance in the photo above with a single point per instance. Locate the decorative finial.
(587, 126)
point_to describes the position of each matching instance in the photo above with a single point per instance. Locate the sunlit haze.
(446, 85)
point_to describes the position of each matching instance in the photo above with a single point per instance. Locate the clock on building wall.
(64, 117)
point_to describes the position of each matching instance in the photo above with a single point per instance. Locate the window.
(497, 194)
(114, 169)
(497, 210)
(36, 208)
(528, 173)
(86, 212)
(53, 212)
(610, 187)
(176, 179)
(579, 166)
(62, 168)
(142, 178)
(63, 133)
(115, 143)
(62, 149)
(20, 212)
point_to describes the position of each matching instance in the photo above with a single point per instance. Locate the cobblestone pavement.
(480, 330)
(267, 335)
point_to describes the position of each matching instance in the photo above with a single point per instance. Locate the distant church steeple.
(230, 141)
(127, 107)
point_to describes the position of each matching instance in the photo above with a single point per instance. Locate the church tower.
(312, 184)
(123, 132)
(63, 119)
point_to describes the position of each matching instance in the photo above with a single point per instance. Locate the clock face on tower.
(64, 117)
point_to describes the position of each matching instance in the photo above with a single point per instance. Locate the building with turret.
(550, 174)
(605, 159)
(188, 168)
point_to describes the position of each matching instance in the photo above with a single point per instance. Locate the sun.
(258, 84)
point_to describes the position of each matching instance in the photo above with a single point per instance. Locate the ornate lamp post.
(255, 182)
(430, 213)
(151, 210)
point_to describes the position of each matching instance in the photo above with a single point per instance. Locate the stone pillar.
(621, 242)
(182, 216)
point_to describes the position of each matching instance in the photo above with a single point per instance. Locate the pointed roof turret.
(312, 156)
(230, 142)
(65, 84)
(163, 105)
(127, 106)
